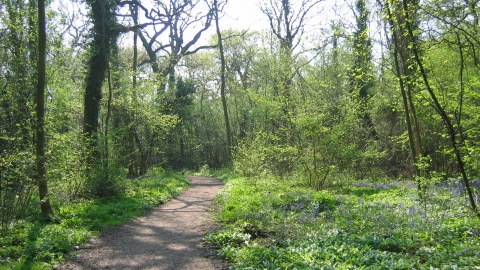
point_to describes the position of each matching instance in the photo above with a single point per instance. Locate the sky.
(240, 15)
(243, 14)
(246, 14)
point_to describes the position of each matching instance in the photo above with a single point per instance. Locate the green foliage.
(252, 158)
(65, 168)
(41, 244)
(225, 174)
(326, 151)
(17, 186)
(18, 41)
(228, 238)
(365, 225)
(321, 151)
(205, 170)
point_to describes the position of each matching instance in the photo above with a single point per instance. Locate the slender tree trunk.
(410, 74)
(107, 121)
(222, 86)
(45, 205)
(143, 155)
(462, 91)
(411, 139)
(416, 124)
(131, 131)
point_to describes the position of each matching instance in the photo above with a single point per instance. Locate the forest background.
(373, 90)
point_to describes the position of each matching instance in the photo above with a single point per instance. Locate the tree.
(287, 23)
(240, 52)
(361, 74)
(40, 110)
(105, 33)
(177, 18)
(288, 26)
(223, 81)
(408, 69)
(131, 130)
(402, 77)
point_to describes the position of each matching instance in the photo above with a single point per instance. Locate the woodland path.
(167, 237)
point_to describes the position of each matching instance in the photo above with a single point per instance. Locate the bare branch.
(285, 22)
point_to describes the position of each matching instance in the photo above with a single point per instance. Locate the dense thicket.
(385, 89)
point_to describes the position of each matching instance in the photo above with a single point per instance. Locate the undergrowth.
(35, 244)
(276, 225)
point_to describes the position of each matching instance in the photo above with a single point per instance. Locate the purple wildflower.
(463, 251)
(476, 184)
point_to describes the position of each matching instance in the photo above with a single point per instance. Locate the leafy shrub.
(205, 170)
(227, 238)
(17, 186)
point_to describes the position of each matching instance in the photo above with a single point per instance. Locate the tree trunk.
(361, 77)
(97, 67)
(105, 34)
(402, 87)
(410, 73)
(222, 86)
(107, 121)
(45, 205)
(131, 130)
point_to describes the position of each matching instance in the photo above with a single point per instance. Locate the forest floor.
(167, 237)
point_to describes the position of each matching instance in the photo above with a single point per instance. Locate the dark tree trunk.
(131, 130)
(409, 71)
(95, 77)
(97, 66)
(45, 205)
(222, 86)
(105, 35)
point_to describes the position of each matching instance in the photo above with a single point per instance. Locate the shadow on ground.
(168, 237)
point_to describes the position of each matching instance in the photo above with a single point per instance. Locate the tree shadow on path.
(167, 237)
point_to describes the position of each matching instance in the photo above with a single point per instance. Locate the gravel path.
(168, 237)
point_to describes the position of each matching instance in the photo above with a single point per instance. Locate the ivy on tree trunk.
(105, 33)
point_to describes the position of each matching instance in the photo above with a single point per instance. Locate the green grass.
(33, 244)
(364, 226)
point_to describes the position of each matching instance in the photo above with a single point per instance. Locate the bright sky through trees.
(243, 14)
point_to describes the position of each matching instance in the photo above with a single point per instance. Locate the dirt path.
(167, 237)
